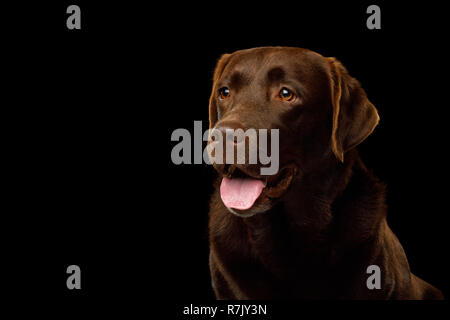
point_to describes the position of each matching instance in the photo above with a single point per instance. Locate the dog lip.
(275, 185)
(232, 170)
(280, 183)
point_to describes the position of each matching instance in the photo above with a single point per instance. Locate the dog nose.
(228, 133)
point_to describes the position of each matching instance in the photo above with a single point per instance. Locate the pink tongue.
(240, 193)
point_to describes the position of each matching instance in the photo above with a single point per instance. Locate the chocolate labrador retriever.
(313, 229)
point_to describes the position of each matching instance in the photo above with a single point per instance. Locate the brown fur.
(327, 223)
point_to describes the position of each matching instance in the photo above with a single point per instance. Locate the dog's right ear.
(217, 73)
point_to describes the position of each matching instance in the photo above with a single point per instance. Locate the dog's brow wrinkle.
(237, 79)
(275, 74)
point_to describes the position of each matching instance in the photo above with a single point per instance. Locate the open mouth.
(240, 189)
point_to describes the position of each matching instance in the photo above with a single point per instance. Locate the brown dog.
(315, 227)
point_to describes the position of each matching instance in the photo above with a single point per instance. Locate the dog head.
(319, 110)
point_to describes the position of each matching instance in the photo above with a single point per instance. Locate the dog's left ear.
(354, 116)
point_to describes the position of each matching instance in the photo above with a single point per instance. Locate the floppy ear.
(217, 73)
(354, 117)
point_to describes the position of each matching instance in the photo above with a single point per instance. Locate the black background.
(89, 115)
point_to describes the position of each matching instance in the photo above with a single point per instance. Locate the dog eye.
(286, 94)
(224, 92)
